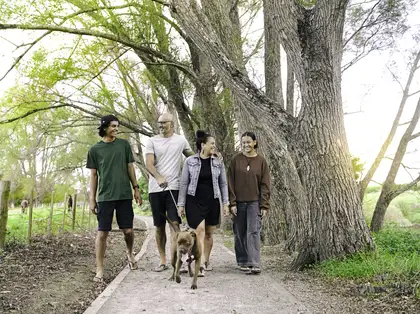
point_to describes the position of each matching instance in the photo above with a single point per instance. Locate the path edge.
(100, 300)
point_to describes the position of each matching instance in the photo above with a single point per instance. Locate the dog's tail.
(175, 227)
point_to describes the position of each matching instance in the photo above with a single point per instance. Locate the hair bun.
(200, 134)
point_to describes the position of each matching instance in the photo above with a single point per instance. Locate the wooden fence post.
(51, 214)
(74, 211)
(4, 200)
(31, 207)
(83, 209)
(64, 211)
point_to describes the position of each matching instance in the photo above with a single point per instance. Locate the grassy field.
(17, 223)
(403, 210)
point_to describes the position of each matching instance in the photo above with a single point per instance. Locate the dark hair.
(105, 122)
(202, 137)
(251, 135)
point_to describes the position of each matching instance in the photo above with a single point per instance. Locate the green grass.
(17, 223)
(397, 256)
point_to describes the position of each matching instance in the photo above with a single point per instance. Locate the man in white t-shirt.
(163, 162)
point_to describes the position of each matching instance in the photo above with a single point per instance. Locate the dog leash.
(185, 224)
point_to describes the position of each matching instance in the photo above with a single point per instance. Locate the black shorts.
(162, 204)
(124, 212)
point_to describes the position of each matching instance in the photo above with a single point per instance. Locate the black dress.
(203, 206)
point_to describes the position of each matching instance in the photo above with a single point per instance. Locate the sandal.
(133, 265)
(98, 279)
(160, 268)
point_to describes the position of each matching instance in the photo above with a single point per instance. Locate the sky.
(368, 90)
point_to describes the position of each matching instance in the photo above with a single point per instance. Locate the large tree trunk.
(290, 88)
(315, 188)
(387, 192)
(371, 172)
(272, 58)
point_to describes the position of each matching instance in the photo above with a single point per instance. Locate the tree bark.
(387, 192)
(371, 172)
(290, 89)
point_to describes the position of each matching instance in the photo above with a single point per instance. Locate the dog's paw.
(171, 278)
(178, 279)
(193, 286)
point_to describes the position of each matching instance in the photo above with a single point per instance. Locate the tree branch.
(31, 45)
(363, 25)
(149, 51)
(200, 29)
(414, 136)
(126, 124)
(402, 188)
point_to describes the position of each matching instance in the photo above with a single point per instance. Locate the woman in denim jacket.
(203, 183)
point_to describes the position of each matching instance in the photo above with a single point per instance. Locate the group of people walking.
(203, 191)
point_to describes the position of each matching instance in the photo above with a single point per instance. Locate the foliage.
(373, 189)
(396, 256)
(357, 166)
(17, 223)
(374, 25)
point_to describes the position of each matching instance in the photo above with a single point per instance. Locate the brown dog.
(184, 242)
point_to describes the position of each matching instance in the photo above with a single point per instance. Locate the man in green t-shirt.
(111, 165)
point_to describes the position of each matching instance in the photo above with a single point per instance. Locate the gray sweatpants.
(247, 227)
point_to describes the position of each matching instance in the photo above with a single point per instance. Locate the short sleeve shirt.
(111, 160)
(168, 159)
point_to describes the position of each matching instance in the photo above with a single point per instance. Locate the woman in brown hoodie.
(249, 195)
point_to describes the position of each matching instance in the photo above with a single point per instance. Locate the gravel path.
(223, 290)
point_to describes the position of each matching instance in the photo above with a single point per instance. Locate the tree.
(406, 94)
(309, 158)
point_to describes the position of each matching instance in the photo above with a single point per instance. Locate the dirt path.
(224, 290)
(227, 290)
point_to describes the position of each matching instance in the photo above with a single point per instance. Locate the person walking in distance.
(111, 165)
(249, 196)
(163, 161)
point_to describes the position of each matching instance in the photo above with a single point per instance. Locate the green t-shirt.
(111, 162)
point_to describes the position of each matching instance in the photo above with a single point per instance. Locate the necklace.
(248, 161)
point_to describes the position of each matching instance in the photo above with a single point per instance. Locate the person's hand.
(93, 207)
(162, 182)
(263, 213)
(181, 210)
(234, 210)
(218, 155)
(226, 210)
(137, 196)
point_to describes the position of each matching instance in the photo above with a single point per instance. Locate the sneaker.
(253, 271)
(244, 268)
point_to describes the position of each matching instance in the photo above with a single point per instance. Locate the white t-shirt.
(168, 159)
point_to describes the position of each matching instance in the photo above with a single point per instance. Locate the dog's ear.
(193, 234)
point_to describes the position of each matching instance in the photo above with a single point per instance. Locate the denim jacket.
(191, 172)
